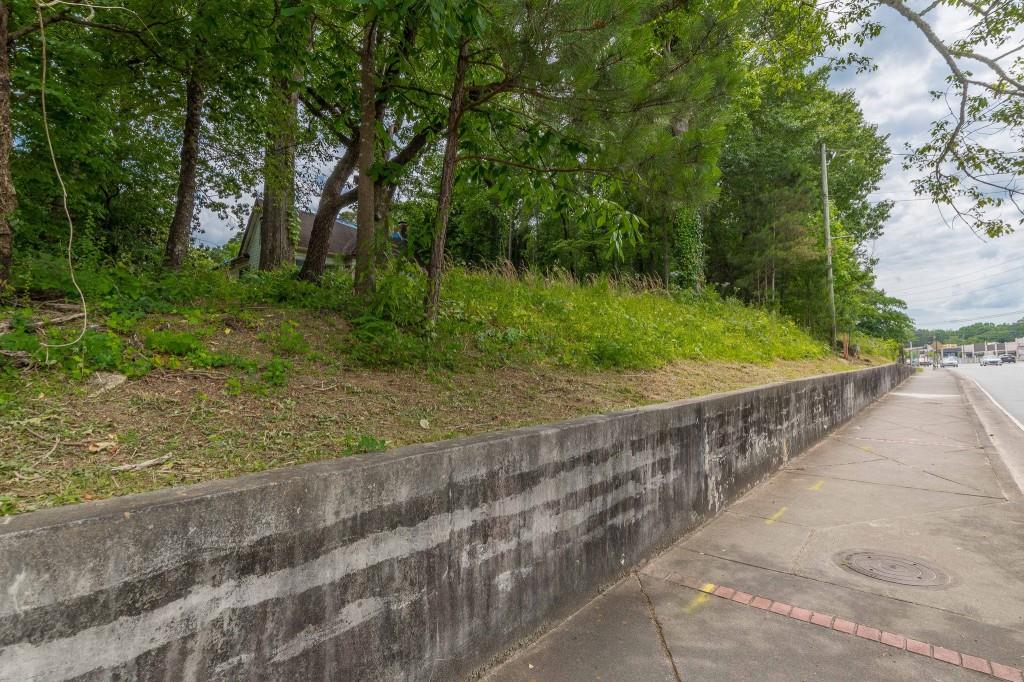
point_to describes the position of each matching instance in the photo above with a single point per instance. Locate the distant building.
(341, 250)
(974, 351)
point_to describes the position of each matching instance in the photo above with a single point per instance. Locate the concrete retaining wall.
(421, 563)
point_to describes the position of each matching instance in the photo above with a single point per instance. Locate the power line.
(988, 317)
(950, 290)
(960, 279)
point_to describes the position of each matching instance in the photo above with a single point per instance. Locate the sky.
(948, 277)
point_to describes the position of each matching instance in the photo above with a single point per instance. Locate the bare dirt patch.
(65, 442)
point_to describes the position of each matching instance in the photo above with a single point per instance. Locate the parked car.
(991, 360)
(1008, 358)
(950, 361)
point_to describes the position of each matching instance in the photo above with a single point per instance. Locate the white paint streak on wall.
(350, 616)
(14, 590)
(125, 639)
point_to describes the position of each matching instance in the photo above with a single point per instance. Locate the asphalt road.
(1004, 383)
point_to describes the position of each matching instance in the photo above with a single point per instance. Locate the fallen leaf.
(424, 424)
(101, 445)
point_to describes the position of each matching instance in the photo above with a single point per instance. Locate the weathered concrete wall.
(421, 563)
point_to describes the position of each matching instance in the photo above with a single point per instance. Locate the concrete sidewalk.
(768, 590)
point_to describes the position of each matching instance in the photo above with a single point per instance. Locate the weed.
(172, 343)
(287, 339)
(233, 386)
(275, 372)
(355, 444)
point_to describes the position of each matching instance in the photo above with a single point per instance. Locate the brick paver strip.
(1005, 672)
(868, 633)
(801, 614)
(898, 641)
(742, 597)
(822, 619)
(947, 655)
(975, 663)
(846, 626)
(692, 583)
(998, 670)
(917, 647)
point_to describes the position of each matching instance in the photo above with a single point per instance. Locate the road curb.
(1005, 434)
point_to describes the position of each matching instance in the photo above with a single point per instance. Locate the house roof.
(343, 236)
(342, 242)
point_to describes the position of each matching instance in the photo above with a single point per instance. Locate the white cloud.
(935, 269)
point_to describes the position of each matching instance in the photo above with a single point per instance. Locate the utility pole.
(828, 241)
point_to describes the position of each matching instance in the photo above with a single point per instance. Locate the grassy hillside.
(226, 377)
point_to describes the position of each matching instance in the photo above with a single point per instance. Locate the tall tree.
(8, 198)
(366, 263)
(291, 34)
(178, 235)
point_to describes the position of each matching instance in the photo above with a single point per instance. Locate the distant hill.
(978, 332)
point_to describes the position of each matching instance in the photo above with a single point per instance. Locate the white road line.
(1018, 475)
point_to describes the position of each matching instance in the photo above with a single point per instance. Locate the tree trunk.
(279, 184)
(444, 197)
(331, 203)
(184, 209)
(333, 200)
(8, 198)
(384, 194)
(666, 254)
(365, 283)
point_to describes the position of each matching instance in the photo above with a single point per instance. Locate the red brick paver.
(822, 619)
(898, 641)
(868, 633)
(801, 614)
(917, 647)
(976, 663)
(849, 627)
(1005, 672)
(742, 597)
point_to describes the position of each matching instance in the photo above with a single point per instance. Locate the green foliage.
(355, 444)
(275, 372)
(765, 235)
(979, 332)
(604, 324)
(172, 343)
(287, 339)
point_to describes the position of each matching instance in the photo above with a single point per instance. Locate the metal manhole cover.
(893, 568)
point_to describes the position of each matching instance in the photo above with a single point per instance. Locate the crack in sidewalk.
(657, 627)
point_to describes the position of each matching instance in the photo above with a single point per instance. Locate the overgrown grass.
(602, 324)
(230, 376)
(489, 318)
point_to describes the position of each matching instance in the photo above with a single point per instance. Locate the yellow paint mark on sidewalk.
(775, 517)
(700, 599)
(817, 486)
